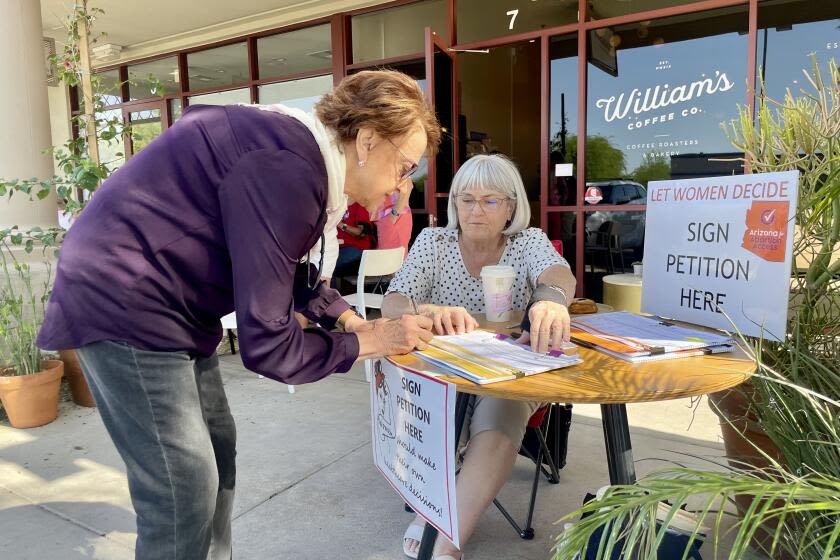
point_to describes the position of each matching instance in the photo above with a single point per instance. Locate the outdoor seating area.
(308, 490)
(420, 279)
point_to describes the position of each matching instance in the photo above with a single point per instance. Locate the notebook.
(638, 338)
(486, 357)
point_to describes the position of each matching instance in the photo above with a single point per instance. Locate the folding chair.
(538, 426)
(375, 262)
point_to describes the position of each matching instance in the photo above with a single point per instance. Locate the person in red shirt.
(393, 219)
(356, 233)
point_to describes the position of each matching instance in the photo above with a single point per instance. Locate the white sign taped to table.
(719, 246)
(413, 425)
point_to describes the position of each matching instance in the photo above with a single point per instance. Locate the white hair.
(492, 173)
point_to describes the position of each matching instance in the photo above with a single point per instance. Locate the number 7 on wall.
(512, 14)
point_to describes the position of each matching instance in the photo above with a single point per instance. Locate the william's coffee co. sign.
(658, 104)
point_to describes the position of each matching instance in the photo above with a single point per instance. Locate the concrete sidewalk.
(306, 487)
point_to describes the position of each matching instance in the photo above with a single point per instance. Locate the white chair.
(375, 262)
(229, 324)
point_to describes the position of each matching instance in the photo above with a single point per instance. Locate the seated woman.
(488, 218)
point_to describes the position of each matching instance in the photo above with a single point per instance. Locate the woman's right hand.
(395, 336)
(450, 320)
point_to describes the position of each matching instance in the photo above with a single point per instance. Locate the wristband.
(344, 317)
(544, 292)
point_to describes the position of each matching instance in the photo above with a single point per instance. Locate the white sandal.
(414, 533)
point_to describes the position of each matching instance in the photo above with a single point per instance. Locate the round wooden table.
(603, 380)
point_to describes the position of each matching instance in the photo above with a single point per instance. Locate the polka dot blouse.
(434, 271)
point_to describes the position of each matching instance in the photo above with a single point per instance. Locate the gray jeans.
(168, 416)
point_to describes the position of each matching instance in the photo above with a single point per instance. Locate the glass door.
(441, 91)
(147, 122)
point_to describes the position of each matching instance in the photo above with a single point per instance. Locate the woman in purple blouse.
(221, 212)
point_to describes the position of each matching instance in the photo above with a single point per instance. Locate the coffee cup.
(498, 292)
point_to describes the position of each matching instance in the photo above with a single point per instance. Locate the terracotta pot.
(739, 426)
(32, 400)
(78, 384)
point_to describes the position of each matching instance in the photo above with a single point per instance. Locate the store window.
(396, 31)
(658, 93)
(603, 9)
(229, 97)
(301, 94)
(175, 110)
(110, 140)
(789, 32)
(563, 121)
(562, 226)
(108, 86)
(294, 52)
(478, 20)
(153, 79)
(218, 67)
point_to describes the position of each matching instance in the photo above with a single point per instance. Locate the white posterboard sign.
(413, 425)
(719, 246)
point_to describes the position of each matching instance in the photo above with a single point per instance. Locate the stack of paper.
(485, 357)
(636, 338)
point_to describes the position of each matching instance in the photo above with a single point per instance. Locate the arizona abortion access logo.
(767, 230)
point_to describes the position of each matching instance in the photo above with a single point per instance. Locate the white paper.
(721, 246)
(413, 425)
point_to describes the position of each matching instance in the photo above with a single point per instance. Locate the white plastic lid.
(498, 271)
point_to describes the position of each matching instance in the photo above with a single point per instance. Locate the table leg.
(617, 438)
(427, 544)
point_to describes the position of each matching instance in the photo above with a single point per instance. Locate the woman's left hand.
(549, 326)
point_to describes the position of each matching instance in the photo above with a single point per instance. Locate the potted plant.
(786, 482)
(29, 383)
(80, 168)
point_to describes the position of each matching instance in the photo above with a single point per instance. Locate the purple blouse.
(214, 214)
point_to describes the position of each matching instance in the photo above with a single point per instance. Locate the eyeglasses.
(487, 205)
(412, 168)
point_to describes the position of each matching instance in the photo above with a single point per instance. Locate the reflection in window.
(655, 107)
(563, 127)
(790, 31)
(175, 110)
(602, 9)
(108, 86)
(145, 127)
(230, 97)
(218, 67)
(397, 31)
(110, 139)
(153, 79)
(486, 19)
(613, 241)
(562, 226)
(302, 94)
(295, 52)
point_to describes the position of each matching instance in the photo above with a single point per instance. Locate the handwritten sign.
(412, 419)
(718, 251)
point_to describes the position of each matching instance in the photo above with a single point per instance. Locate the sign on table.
(412, 419)
(719, 246)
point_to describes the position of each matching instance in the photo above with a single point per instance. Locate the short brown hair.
(387, 101)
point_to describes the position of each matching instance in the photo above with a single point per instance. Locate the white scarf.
(336, 171)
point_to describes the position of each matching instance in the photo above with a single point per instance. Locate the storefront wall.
(648, 83)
